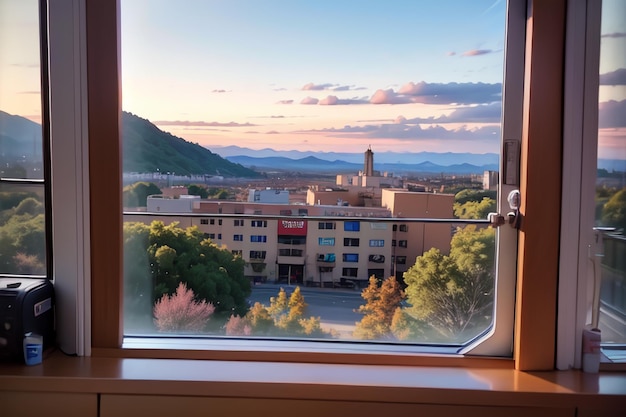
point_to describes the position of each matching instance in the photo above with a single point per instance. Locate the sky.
(324, 75)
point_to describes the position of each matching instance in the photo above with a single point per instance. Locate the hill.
(149, 149)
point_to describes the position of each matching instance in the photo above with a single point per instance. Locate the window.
(219, 222)
(290, 252)
(351, 257)
(204, 221)
(238, 238)
(352, 226)
(122, 13)
(258, 238)
(285, 212)
(258, 254)
(219, 236)
(401, 260)
(351, 241)
(404, 228)
(212, 221)
(394, 242)
(292, 240)
(326, 241)
(236, 252)
(377, 243)
(210, 235)
(326, 225)
(24, 151)
(402, 243)
(350, 272)
(258, 223)
(238, 222)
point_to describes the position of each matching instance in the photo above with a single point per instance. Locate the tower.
(368, 166)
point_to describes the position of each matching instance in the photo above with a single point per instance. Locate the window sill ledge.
(309, 381)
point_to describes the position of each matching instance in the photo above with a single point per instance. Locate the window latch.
(513, 218)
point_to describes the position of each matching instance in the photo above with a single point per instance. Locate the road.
(335, 307)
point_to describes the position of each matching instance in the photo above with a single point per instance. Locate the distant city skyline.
(315, 76)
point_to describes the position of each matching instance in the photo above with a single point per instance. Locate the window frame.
(541, 140)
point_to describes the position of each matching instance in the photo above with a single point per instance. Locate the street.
(335, 307)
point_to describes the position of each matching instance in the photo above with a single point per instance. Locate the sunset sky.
(405, 76)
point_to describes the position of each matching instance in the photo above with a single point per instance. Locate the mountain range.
(146, 148)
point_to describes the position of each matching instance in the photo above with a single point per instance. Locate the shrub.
(180, 312)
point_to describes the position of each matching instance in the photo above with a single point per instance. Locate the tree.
(180, 312)
(381, 303)
(198, 190)
(475, 209)
(466, 195)
(159, 257)
(454, 293)
(614, 211)
(136, 195)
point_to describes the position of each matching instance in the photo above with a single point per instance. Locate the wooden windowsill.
(281, 380)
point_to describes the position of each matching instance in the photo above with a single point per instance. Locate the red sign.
(292, 227)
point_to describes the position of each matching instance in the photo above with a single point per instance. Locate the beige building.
(321, 245)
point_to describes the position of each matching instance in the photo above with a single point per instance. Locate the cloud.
(612, 114)
(330, 87)
(388, 97)
(477, 52)
(617, 77)
(309, 100)
(334, 101)
(401, 131)
(614, 35)
(451, 53)
(200, 123)
(440, 93)
(483, 113)
(285, 102)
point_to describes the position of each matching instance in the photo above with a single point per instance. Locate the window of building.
(404, 228)
(238, 222)
(219, 222)
(258, 254)
(377, 243)
(219, 235)
(348, 241)
(326, 241)
(352, 226)
(350, 272)
(351, 257)
(210, 235)
(238, 238)
(290, 252)
(326, 225)
(258, 238)
(402, 243)
(212, 221)
(258, 223)
(236, 252)
(204, 221)
(394, 242)
(401, 260)
(285, 212)
(291, 240)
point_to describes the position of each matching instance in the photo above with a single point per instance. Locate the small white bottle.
(591, 349)
(33, 347)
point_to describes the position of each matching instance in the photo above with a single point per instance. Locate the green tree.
(466, 195)
(136, 195)
(381, 303)
(614, 211)
(160, 257)
(453, 294)
(475, 209)
(199, 190)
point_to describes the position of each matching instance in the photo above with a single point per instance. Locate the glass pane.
(22, 218)
(611, 180)
(327, 121)
(20, 90)
(22, 229)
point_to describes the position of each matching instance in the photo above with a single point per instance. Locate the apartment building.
(317, 245)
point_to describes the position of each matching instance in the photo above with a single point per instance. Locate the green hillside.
(148, 149)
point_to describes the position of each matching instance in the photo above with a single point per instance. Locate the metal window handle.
(513, 218)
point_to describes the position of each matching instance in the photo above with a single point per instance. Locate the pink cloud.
(477, 52)
(329, 101)
(309, 100)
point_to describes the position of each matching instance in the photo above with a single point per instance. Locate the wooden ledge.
(307, 381)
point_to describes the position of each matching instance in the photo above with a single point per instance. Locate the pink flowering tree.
(179, 312)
